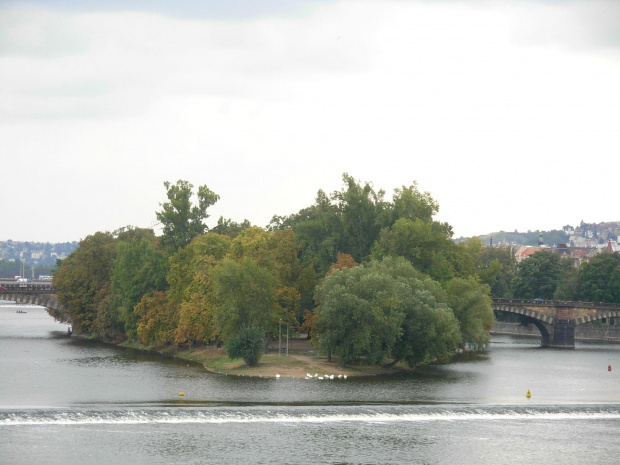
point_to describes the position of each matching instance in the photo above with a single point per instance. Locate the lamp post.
(287, 342)
(280, 338)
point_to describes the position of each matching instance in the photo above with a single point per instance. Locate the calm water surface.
(68, 401)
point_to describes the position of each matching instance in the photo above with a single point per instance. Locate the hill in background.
(586, 234)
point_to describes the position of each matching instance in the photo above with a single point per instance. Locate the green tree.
(599, 279)
(426, 245)
(83, 282)
(318, 232)
(494, 266)
(306, 282)
(244, 295)
(277, 252)
(229, 227)
(411, 204)
(568, 288)
(537, 276)
(382, 309)
(180, 219)
(363, 213)
(471, 304)
(139, 269)
(246, 344)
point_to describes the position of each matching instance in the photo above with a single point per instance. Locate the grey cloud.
(578, 25)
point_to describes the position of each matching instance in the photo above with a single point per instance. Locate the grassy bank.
(296, 365)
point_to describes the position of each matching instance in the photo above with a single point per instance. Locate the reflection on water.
(46, 364)
(69, 400)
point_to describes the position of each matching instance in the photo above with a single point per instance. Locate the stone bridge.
(41, 297)
(557, 320)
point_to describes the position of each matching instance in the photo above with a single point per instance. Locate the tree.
(384, 308)
(471, 304)
(411, 204)
(181, 220)
(318, 233)
(344, 261)
(537, 276)
(495, 266)
(139, 269)
(229, 227)
(190, 278)
(568, 288)
(430, 330)
(157, 319)
(83, 282)
(306, 282)
(244, 295)
(246, 344)
(277, 252)
(425, 244)
(599, 279)
(363, 214)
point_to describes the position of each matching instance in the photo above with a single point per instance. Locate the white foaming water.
(180, 416)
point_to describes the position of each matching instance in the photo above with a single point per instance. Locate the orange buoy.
(528, 394)
(609, 368)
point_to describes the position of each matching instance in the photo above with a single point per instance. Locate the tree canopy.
(370, 279)
(384, 309)
(599, 279)
(182, 220)
(538, 276)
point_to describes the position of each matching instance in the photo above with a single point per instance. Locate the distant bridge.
(36, 295)
(556, 320)
(38, 287)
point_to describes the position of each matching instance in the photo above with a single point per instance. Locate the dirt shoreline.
(302, 360)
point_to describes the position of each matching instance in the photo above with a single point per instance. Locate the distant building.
(526, 251)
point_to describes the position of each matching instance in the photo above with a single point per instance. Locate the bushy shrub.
(246, 344)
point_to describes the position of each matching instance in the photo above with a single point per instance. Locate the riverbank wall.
(582, 332)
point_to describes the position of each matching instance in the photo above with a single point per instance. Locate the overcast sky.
(507, 112)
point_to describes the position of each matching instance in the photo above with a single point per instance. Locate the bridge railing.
(556, 303)
(28, 288)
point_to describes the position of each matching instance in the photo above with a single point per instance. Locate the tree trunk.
(391, 364)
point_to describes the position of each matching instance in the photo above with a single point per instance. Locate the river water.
(64, 400)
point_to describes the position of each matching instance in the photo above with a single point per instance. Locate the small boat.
(20, 311)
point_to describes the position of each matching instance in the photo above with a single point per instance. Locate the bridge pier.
(557, 321)
(563, 335)
(564, 329)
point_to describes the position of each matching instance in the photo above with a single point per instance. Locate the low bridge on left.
(43, 295)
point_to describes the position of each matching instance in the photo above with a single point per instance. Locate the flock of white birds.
(316, 376)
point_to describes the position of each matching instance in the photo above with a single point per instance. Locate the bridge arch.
(557, 320)
(541, 314)
(522, 310)
(598, 316)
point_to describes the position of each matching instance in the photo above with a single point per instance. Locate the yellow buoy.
(181, 393)
(528, 394)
